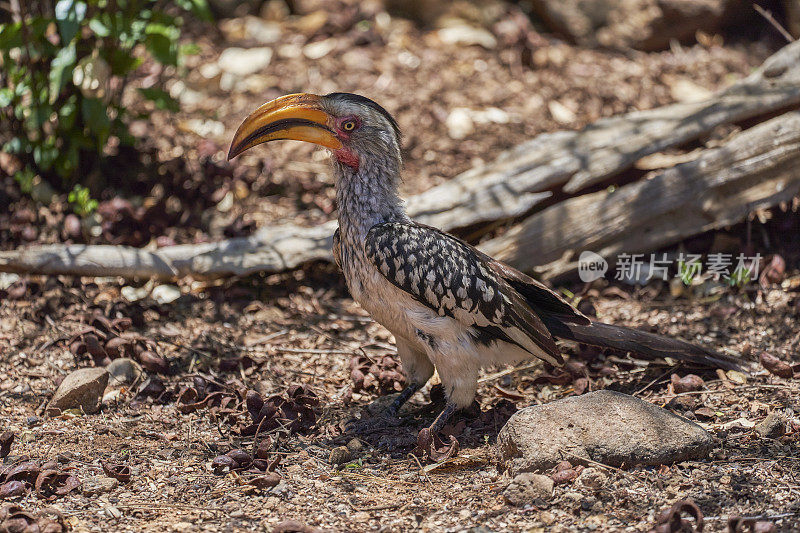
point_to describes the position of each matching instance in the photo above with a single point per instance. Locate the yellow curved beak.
(297, 117)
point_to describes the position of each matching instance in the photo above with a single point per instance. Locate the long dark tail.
(648, 345)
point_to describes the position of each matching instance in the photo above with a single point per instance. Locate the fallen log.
(511, 186)
(756, 168)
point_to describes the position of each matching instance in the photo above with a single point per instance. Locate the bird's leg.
(402, 398)
(443, 417)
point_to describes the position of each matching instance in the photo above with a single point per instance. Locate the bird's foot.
(374, 424)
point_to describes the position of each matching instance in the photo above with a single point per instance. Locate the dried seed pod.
(266, 481)
(153, 362)
(122, 324)
(77, 348)
(102, 323)
(564, 476)
(264, 448)
(117, 471)
(27, 472)
(242, 458)
(254, 403)
(776, 366)
(118, 347)
(93, 346)
(12, 489)
(221, 462)
(261, 464)
(357, 376)
(563, 465)
(6, 440)
(687, 383)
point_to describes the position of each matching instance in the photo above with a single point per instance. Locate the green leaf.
(121, 62)
(189, 49)
(10, 36)
(96, 119)
(61, 70)
(67, 114)
(25, 179)
(44, 156)
(161, 48)
(81, 199)
(161, 98)
(16, 145)
(39, 114)
(69, 15)
(99, 29)
(6, 97)
(198, 7)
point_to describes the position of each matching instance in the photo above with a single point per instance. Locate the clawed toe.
(373, 424)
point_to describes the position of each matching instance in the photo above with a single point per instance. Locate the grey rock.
(82, 389)
(772, 427)
(604, 426)
(526, 487)
(94, 486)
(123, 371)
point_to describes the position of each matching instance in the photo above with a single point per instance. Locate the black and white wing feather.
(456, 280)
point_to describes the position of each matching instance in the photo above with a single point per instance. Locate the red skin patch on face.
(346, 157)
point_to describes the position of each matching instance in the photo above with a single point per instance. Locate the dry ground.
(170, 453)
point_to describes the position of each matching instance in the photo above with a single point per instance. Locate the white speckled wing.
(452, 278)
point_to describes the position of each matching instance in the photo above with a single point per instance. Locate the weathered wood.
(278, 249)
(516, 182)
(756, 168)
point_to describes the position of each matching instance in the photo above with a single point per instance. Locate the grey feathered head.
(356, 129)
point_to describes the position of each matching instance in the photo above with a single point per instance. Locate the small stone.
(467, 36)
(244, 61)
(340, 455)
(772, 427)
(459, 123)
(592, 478)
(123, 371)
(604, 426)
(526, 487)
(95, 486)
(561, 113)
(355, 446)
(82, 389)
(319, 49)
(165, 294)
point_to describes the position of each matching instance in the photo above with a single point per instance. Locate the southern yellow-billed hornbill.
(448, 305)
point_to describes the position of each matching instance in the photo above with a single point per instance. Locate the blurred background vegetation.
(114, 113)
(65, 67)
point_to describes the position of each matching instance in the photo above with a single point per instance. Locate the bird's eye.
(349, 125)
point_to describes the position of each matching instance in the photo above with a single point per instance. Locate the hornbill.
(449, 306)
